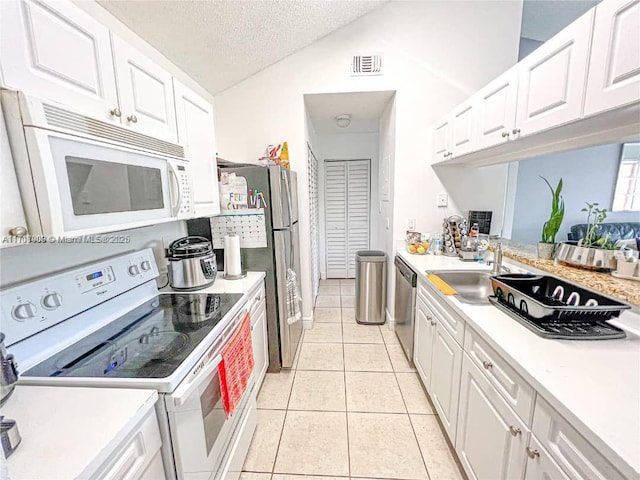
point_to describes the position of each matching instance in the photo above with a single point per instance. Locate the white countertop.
(68, 432)
(243, 285)
(595, 385)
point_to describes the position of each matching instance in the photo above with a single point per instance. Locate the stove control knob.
(24, 311)
(133, 270)
(51, 301)
(145, 265)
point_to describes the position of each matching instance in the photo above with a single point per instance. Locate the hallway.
(351, 407)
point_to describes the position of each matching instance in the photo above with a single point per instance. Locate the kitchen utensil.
(9, 372)
(192, 263)
(544, 297)
(9, 436)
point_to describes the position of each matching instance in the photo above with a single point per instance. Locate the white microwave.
(79, 175)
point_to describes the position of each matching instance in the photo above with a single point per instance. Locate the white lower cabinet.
(423, 341)
(540, 465)
(491, 438)
(259, 340)
(445, 378)
(573, 453)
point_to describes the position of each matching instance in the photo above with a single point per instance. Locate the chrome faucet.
(497, 267)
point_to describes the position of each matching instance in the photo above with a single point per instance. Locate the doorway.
(347, 200)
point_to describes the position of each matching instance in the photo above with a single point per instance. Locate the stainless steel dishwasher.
(405, 305)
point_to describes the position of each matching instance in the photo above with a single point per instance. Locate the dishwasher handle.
(406, 271)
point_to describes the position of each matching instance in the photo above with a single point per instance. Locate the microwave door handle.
(186, 388)
(176, 202)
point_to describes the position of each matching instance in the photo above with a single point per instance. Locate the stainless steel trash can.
(371, 287)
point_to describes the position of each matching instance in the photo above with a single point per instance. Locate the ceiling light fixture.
(344, 120)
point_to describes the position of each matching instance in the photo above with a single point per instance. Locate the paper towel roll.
(232, 262)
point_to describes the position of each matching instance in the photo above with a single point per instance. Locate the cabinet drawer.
(574, 454)
(257, 302)
(131, 459)
(518, 393)
(450, 320)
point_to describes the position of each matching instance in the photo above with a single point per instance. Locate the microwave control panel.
(186, 199)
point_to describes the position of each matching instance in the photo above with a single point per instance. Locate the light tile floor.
(351, 408)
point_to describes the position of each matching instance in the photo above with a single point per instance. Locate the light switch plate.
(411, 224)
(443, 200)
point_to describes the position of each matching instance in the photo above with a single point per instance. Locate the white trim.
(391, 322)
(307, 322)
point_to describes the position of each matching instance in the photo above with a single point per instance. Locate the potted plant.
(594, 251)
(547, 243)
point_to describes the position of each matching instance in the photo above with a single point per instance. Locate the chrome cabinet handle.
(115, 112)
(487, 365)
(18, 232)
(132, 119)
(433, 323)
(505, 134)
(515, 131)
(531, 453)
(515, 431)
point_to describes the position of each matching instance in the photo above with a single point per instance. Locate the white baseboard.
(391, 322)
(307, 322)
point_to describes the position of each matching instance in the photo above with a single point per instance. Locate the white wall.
(588, 175)
(351, 146)
(21, 263)
(436, 54)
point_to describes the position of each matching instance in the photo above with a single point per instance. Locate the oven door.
(83, 186)
(201, 434)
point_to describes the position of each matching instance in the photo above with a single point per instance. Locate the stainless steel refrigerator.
(280, 189)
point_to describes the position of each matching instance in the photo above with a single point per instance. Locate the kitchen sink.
(473, 286)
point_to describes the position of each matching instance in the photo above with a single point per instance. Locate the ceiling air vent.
(366, 65)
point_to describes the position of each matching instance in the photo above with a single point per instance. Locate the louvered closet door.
(335, 211)
(358, 201)
(347, 200)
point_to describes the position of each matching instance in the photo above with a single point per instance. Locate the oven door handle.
(186, 388)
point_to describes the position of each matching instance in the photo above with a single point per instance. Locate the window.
(627, 193)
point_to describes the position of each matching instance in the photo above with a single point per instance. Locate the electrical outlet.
(411, 225)
(443, 200)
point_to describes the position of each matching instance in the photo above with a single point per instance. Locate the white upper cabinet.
(55, 51)
(614, 68)
(463, 128)
(12, 218)
(196, 133)
(145, 91)
(496, 105)
(442, 140)
(552, 79)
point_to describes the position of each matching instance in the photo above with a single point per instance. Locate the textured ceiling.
(365, 109)
(220, 43)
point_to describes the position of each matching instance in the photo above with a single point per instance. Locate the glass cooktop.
(151, 341)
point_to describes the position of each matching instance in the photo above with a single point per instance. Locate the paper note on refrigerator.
(248, 224)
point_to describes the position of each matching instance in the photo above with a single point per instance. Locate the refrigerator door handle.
(285, 176)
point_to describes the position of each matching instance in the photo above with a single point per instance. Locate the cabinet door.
(196, 133)
(423, 342)
(445, 379)
(463, 128)
(496, 104)
(491, 439)
(55, 51)
(552, 79)
(442, 140)
(542, 466)
(614, 67)
(12, 219)
(259, 343)
(145, 91)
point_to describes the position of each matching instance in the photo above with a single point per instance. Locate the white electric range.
(106, 325)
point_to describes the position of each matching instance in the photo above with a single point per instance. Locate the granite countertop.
(625, 290)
